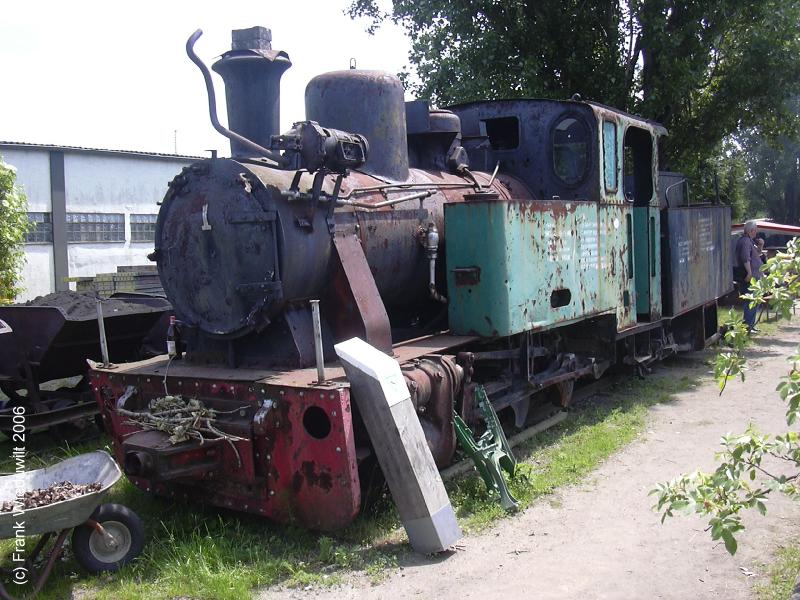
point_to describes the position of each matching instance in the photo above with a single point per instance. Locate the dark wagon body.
(51, 343)
(56, 345)
(696, 257)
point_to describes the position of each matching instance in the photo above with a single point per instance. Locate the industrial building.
(92, 210)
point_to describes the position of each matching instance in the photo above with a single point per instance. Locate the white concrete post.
(385, 405)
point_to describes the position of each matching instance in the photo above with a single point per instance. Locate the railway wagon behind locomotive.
(512, 247)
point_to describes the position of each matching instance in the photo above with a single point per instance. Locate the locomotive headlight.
(317, 147)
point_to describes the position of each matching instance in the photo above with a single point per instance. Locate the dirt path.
(600, 539)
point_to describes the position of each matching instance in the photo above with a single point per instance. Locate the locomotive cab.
(594, 169)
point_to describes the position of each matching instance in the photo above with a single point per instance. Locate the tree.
(730, 180)
(773, 185)
(13, 227)
(723, 175)
(508, 49)
(742, 480)
(702, 69)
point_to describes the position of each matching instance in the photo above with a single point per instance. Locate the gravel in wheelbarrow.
(63, 490)
(85, 469)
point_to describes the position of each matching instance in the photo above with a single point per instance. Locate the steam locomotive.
(516, 245)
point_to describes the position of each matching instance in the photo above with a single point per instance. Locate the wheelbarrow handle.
(45, 573)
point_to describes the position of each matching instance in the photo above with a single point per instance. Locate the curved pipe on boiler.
(212, 106)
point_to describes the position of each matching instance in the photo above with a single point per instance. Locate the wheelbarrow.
(104, 536)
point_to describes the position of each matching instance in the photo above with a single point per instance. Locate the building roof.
(768, 226)
(97, 151)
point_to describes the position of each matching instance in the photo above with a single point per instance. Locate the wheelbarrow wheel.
(122, 542)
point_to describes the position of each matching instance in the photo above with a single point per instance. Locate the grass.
(566, 453)
(202, 552)
(767, 327)
(781, 574)
(767, 324)
(207, 553)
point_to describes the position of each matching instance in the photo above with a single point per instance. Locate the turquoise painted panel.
(616, 262)
(647, 267)
(524, 265)
(641, 259)
(656, 309)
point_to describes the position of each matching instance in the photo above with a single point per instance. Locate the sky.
(113, 74)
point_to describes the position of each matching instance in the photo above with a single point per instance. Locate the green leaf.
(730, 541)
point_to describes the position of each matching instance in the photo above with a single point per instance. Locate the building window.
(95, 227)
(143, 228)
(41, 230)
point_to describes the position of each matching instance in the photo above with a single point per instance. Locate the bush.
(13, 227)
(741, 481)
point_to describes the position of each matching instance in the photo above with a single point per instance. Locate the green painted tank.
(515, 266)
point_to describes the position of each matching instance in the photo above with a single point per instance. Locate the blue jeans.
(750, 311)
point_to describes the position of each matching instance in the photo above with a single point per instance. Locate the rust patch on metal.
(312, 477)
(555, 209)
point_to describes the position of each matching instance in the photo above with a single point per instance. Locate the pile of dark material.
(63, 490)
(83, 306)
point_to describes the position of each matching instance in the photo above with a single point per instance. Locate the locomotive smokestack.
(252, 73)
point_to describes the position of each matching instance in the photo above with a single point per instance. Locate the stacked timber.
(140, 279)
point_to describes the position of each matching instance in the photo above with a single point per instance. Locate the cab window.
(571, 150)
(610, 155)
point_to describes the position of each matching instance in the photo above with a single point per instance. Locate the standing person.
(748, 261)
